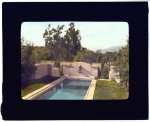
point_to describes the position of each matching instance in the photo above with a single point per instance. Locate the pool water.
(67, 90)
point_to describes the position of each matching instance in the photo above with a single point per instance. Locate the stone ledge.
(90, 93)
(79, 77)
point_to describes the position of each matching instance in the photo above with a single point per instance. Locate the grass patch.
(30, 88)
(36, 84)
(108, 90)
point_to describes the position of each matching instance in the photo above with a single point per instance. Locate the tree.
(122, 64)
(27, 62)
(99, 56)
(105, 72)
(63, 47)
(72, 41)
(104, 61)
(48, 36)
(85, 55)
(42, 53)
(99, 72)
(57, 42)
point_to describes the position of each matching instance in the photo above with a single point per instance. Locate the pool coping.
(90, 92)
(79, 77)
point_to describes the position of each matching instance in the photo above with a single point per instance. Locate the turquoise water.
(68, 90)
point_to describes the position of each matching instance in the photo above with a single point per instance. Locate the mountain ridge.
(112, 49)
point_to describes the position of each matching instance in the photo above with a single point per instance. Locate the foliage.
(105, 59)
(66, 46)
(63, 47)
(99, 72)
(27, 61)
(85, 55)
(54, 41)
(105, 72)
(42, 53)
(99, 56)
(72, 41)
(122, 64)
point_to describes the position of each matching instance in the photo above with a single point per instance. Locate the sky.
(94, 35)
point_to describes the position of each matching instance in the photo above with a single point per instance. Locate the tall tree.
(57, 42)
(122, 63)
(63, 47)
(54, 41)
(72, 41)
(27, 62)
(99, 56)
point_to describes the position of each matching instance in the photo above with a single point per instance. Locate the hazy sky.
(95, 35)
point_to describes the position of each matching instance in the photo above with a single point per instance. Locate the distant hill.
(112, 49)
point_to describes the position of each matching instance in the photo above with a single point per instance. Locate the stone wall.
(69, 69)
(72, 69)
(42, 70)
(55, 72)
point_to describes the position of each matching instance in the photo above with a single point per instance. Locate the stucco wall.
(42, 70)
(69, 69)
